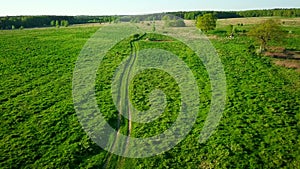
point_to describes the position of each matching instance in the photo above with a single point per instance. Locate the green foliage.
(153, 26)
(135, 20)
(43, 21)
(259, 102)
(173, 21)
(230, 30)
(251, 50)
(57, 23)
(206, 22)
(166, 18)
(267, 31)
(39, 127)
(32, 21)
(52, 23)
(294, 12)
(117, 20)
(64, 23)
(190, 15)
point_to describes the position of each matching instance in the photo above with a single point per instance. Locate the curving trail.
(124, 102)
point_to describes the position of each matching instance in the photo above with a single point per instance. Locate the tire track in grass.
(120, 113)
(124, 95)
(134, 55)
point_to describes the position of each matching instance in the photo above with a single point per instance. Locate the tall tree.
(267, 31)
(52, 23)
(57, 23)
(64, 23)
(166, 19)
(206, 22)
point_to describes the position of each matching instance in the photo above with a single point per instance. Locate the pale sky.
(124, 7)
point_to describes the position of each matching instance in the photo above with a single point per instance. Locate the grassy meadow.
(260, 127)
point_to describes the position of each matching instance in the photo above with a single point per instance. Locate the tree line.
(294, 12)
(19, 22)
(15, 22)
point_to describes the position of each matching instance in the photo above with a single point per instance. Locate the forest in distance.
(20, 22)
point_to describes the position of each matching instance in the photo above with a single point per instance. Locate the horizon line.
(210, 10)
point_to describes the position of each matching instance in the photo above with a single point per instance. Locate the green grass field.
(260, 127)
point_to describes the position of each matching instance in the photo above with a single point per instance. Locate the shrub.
(206, 22)
(175, 23)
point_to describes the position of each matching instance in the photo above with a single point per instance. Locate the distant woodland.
(20, 22)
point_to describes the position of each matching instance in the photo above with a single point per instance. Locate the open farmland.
(260, 127)
(255, 20)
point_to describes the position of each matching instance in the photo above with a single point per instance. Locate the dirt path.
(115, 141)
(134, 54)
(124, 103)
